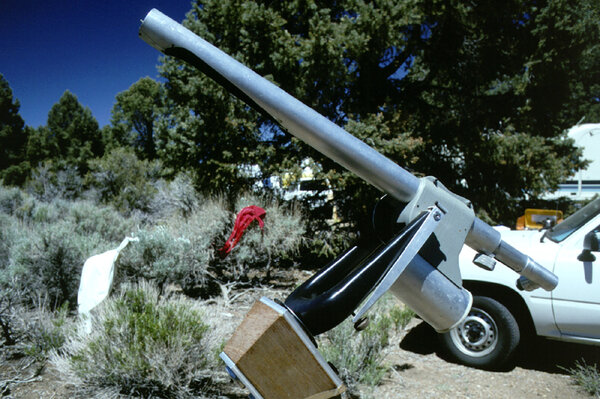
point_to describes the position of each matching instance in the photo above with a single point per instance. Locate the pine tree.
(13, 137)
(134, 116)
(71, 136)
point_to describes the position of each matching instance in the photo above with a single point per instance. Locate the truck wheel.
(486, 339)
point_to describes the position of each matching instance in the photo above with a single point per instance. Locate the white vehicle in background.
(502, 314)
(585, 184)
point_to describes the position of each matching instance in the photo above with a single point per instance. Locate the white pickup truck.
(502, 314)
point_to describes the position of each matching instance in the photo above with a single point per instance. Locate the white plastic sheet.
(97, 277)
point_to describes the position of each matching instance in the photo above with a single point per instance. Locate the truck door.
(576, 299)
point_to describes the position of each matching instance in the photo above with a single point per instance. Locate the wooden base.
(273, 356)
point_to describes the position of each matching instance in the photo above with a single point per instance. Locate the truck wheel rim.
(477, 335)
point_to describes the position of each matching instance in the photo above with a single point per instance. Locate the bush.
(208, 223)
(46, 263)
(89, 219)
(358, 356)
(8, 297)
(167, 257)
(8, 232)
(7, 317)
(178, 251)
(587, 377)
(43, 245)
(10, 199)
(280, 238)
(123, 180)
(32, 332)
(176, 198)
(15, 202)
(141, 345)
(401, 316)
(51, 181)
(16, 175)
(183, 250)
(43, 331)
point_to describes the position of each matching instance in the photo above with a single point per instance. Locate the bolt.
(437, 216)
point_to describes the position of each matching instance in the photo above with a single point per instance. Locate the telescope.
(418, 231)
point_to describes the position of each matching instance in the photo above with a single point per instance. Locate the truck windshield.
(562, 230)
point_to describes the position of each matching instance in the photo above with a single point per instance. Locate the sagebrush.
(43, 245)
(587, 377)
(142, 345)
(359, 356)
(281, 237)
(32, 332)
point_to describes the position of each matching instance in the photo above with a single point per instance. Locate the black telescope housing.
(333, 293)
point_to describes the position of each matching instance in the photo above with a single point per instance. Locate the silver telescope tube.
(171, 38)
(162, 33)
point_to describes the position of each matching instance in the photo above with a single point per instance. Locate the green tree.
(475, 94)
(491, 91)
(70, 137)
(204, 131)
(134, 116)
(302, 48)
(13, 137)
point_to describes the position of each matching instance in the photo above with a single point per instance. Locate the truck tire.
(486, 339)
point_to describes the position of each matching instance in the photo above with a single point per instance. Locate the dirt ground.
(417, 370)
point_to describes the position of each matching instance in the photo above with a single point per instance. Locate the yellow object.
(536, 218)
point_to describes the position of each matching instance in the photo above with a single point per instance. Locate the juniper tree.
(71, 136)
(474, 93)
(13, 137)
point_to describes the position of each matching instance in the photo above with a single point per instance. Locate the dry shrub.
(141, 345)
(43, 246)
(105, 221)
(359, 355)
(587, 377)
(277, 242)
(183, 250)
(8, 234)
(44, 331)
(46, 264)
(123, 180)
(177, 251)
(31, 332)
(11, 199)
(51, 180)
(177, 197)
(166, 257)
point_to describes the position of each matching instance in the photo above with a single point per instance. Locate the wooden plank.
(278, 359)
(257, 321)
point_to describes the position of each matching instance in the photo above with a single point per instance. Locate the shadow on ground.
(535, 353)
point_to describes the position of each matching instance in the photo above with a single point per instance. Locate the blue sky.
(90, 48)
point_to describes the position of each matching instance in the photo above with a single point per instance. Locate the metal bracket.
(412, 248)
(452, 232)
(484, 261)
(236, 374)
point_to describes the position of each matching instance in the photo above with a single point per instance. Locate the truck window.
(571, 224)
